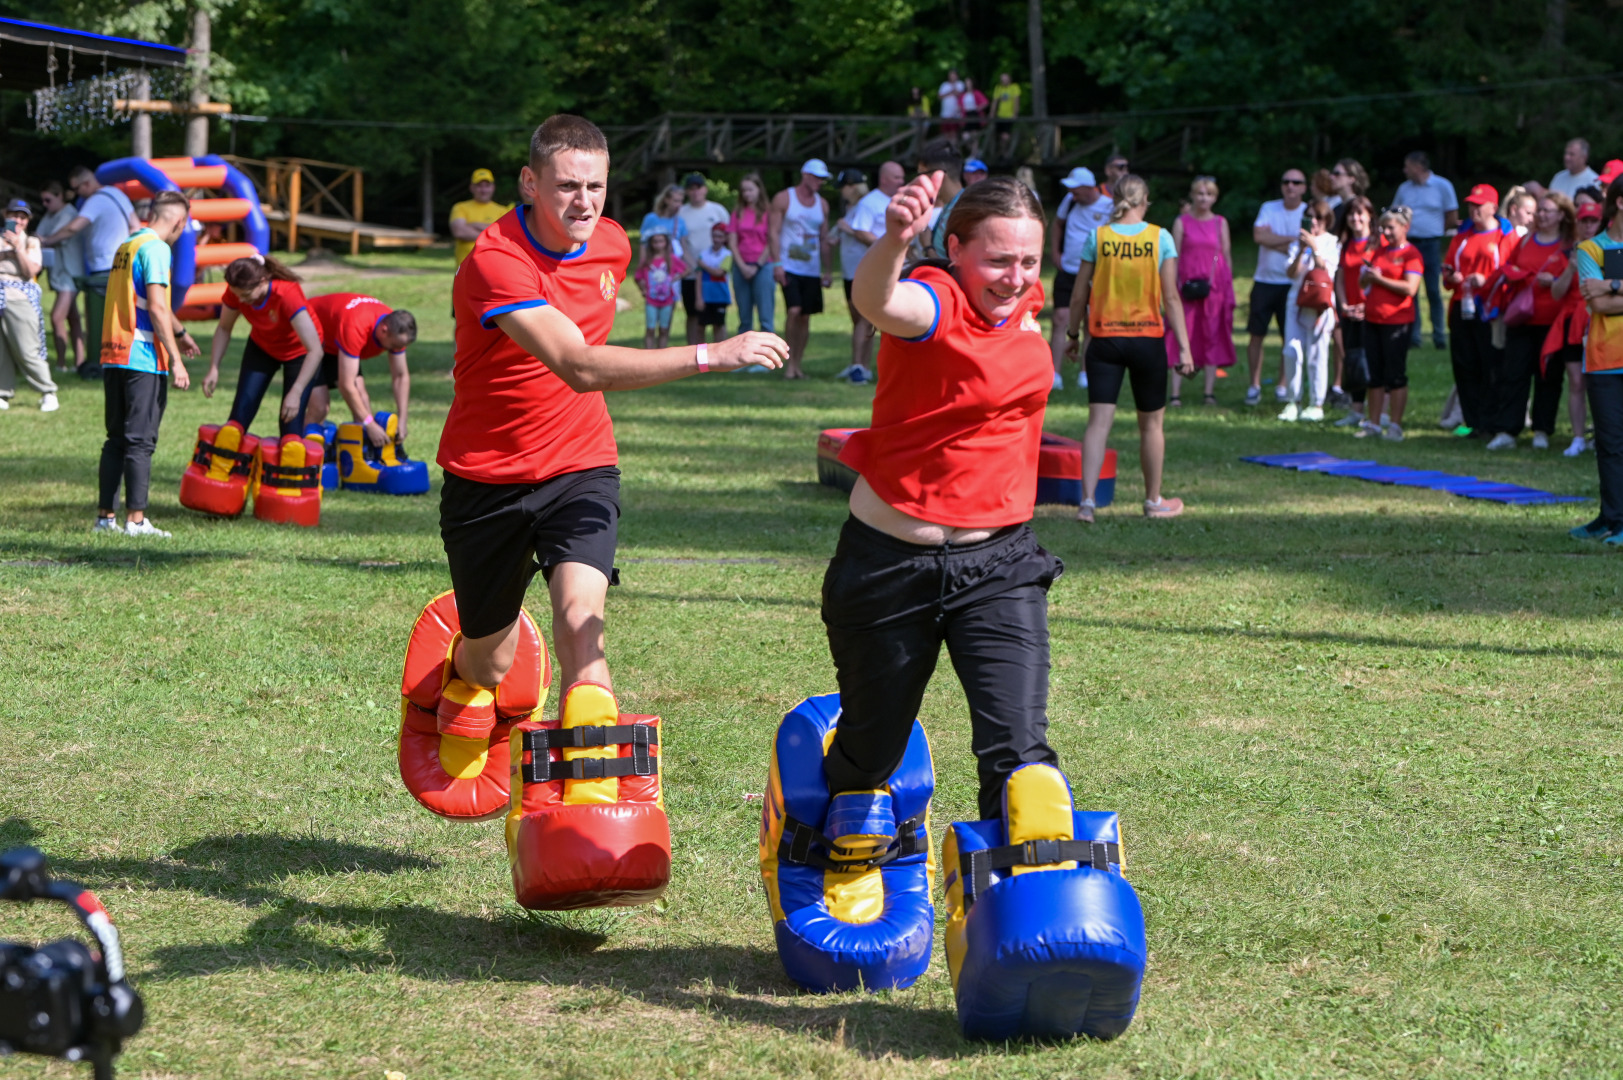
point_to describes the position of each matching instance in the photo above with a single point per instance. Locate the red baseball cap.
(1483, 193)
(1611, 172)
(1589, 210)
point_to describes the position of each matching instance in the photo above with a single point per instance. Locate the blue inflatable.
(385, 469)
(848, 875)
(1045, 937)
(327, 432)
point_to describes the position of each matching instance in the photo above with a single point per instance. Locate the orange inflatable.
(287, 483)
(587, 826)
(454, 737)
(216, 482)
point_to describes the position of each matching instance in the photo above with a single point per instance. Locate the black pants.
(1475, 362)
(1606, 412)
(1386, 348)
(1513, 375)
(258, 369)
(1547, 393)
(889, 605)
(133, 402)
(1355, 365)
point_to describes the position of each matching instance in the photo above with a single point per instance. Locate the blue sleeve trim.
(934, 322)
(488, 319)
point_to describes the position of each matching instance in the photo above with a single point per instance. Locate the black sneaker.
(87, 370)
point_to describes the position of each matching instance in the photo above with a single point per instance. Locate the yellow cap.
(484, 175)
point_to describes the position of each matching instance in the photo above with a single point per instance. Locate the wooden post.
(355, 237)
(294, 191)
(141, 122)
(197, 127)
(428, 189)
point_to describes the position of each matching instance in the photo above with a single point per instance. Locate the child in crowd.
(657, 279)
(1206, 284)
(715, 264)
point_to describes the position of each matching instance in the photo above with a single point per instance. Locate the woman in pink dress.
(1206, 283)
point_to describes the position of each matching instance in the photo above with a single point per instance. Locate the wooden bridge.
(677, 141)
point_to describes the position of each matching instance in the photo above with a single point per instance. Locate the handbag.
(1196, 288)
(1318, 291)
(1519, 311)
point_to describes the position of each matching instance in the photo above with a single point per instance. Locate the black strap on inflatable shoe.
(800, 843)
(287, 476)
(206, 452)
(542, 769)
(975, 867)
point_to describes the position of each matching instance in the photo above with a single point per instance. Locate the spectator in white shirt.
(699, 217)
(1279, 223)
(951, 96)
(863, 223)
(1577, 173)
(1436, 213)
(1082, 211)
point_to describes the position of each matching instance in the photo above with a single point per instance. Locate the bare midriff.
(874, 512)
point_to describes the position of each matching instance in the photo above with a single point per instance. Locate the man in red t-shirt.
(356, 327)
(531, 481)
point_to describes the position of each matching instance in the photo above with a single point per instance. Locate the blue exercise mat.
(1466, 487)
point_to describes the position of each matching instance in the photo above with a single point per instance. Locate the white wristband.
(704, 358)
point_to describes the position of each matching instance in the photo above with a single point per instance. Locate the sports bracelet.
(704, 358)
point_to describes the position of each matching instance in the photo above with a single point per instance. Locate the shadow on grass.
(741, 983)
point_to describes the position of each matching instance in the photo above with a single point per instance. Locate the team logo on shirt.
(1028, 321)
(607, 286)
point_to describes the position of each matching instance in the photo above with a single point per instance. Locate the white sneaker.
(144, 527)
(48, 403)
(1502, 441)
(1290, 413)
(1280, 393)
(1253, 395)
(107, 524)
(1312, 414)
(1350, 419)
(1392, 433)
(1385, 419)
(1578, 446)
(1059, 382)
(1081, 380)
(1367, 429)
(5, 403)
(1541, 441)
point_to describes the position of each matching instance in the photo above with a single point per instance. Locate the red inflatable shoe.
(287, 485)
(216, 482)
(454, 737)
(588, 826)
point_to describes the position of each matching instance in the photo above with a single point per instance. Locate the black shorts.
(712, 315)
(803, 292)
(1143, 360)
(497, 536)
(1386, 348)
(1267, 305)
(1064, 285)
(1004, 127)
(690, 296)
(329, 371)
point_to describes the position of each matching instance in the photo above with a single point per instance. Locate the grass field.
(1365, 743)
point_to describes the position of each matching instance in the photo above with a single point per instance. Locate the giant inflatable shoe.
(287, 481)
(327, 432)
(587, 826)
(847, 874)
(386, 469)
(216, 482)
(1045, 937)
(453, 736)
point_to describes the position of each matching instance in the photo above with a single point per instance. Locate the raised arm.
(902, 309)
(547, 334)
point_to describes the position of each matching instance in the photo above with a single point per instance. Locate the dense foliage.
(451, 64)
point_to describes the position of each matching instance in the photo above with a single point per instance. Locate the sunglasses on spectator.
(1292, 180)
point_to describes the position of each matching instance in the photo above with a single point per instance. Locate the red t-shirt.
(958, 415)
(1382, 306)
(1525, 263)
(349, 323)
(1473, 252)
(270, 321)
(1352, 261)
(513, 421)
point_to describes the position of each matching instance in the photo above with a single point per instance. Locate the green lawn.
(1365, 743)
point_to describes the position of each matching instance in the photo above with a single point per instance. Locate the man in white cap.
(1082, 211)
(801, 238)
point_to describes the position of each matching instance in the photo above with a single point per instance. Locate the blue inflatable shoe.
(385, 469)
(1045, 938)
(327, 432)
(847, 874)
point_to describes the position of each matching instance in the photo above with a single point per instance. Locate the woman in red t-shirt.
(282, 337)
(938, 547)
(1390, 277)
(1536, 263)
(1564, 346)
(1352, 374)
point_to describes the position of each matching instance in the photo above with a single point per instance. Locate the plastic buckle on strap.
(1040, 852)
